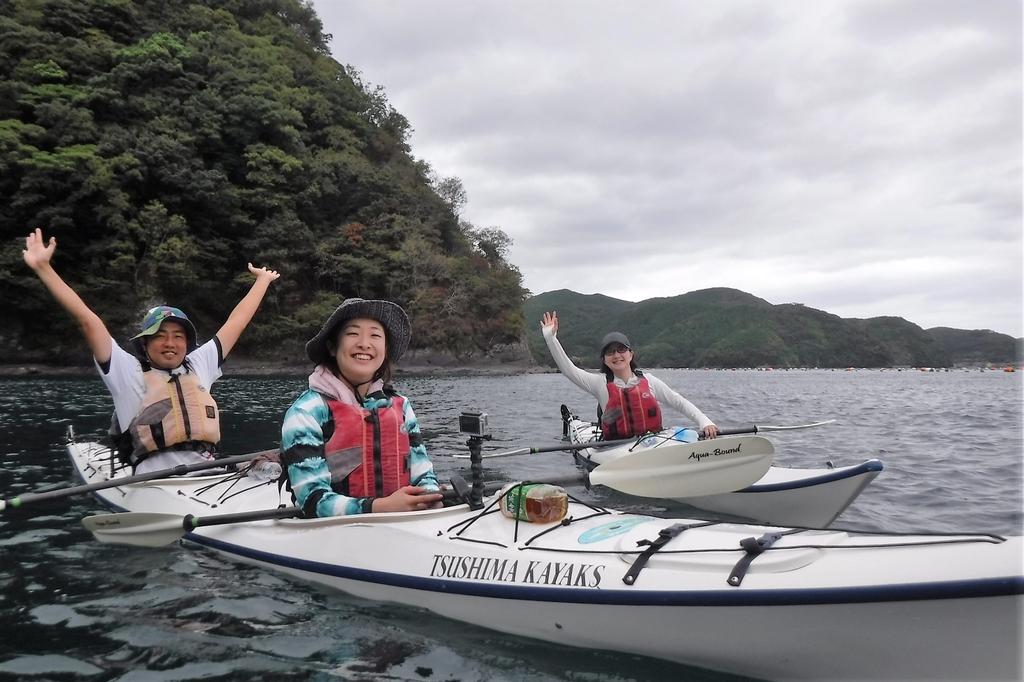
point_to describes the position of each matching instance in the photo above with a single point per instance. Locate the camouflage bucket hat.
(160, 314)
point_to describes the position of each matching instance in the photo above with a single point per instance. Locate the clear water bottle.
(534, 502)
(265, 470)
(685, 435)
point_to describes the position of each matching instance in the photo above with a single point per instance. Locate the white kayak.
(784, 495)
(763, 601)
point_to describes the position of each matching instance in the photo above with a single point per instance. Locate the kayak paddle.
(688, 469)
(757, 429)
(707, 467)
(676, 470)
(179, 470)
(152, 529)
(553, 448)
(567, 447)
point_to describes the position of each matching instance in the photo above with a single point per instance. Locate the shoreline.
(256, 368)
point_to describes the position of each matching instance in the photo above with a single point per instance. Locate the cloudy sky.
(862, 157)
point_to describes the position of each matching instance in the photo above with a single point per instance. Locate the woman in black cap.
(629, 401)
(350, 443)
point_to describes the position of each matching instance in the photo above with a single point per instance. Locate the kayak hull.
(873, 640)
(818, 604)
(811, 498)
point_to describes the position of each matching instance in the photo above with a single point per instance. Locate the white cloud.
(859, 157)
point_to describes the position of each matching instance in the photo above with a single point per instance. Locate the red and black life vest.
(368, 453)
(631, 411)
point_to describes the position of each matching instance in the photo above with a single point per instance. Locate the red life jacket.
(631, 411)
(368, 453)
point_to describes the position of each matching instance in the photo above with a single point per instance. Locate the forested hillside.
(978, 345)
(166, 143)
(730, 328)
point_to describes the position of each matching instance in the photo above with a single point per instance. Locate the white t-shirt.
(124, 379)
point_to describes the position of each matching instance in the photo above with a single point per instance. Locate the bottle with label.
(534, 502)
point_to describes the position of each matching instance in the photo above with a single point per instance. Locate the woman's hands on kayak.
(709, 431)
(408, 498)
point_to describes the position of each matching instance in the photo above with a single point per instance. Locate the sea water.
(74, 609)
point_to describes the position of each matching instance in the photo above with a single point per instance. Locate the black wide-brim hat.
(390, 315)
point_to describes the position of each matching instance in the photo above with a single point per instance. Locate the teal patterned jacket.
(302, 450)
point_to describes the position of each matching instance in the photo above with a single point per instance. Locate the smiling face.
(618, 358)
(166, 348)
(360, 349)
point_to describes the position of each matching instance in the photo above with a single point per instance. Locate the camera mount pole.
(476, 467)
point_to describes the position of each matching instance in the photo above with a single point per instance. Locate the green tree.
(167, 144)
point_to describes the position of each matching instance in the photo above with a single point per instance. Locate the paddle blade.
(707, 467)
(144, 529)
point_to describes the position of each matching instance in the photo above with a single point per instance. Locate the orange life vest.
(176, 409)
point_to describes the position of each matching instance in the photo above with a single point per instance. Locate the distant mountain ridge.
(723, 327)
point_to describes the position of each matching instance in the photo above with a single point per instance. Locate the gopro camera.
(474, 423)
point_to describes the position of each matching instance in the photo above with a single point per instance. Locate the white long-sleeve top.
(597, 385)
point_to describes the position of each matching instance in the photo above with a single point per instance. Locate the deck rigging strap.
(665, 536)
(754, 548)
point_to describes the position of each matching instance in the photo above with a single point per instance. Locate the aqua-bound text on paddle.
(714, 453)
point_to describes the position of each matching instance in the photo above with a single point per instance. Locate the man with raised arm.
(162, 403)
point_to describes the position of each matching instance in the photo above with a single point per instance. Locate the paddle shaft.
(737, 431)
(572, 447)
(757, 429)
(190, 522)
(155, 529)
(179, 470)
(562, 447)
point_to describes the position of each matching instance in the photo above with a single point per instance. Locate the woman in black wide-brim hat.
(629, 401)
(351, 444)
